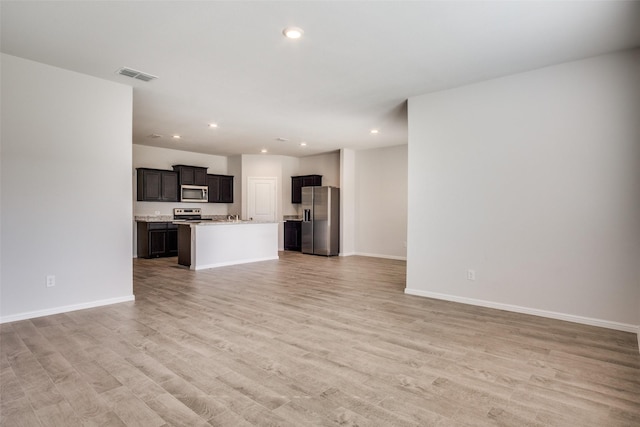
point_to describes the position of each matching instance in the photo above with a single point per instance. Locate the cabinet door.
(156, 185)
(213, 182)
(292, 235)
(296, 189)
(187, 176)
(157, 242)
(191, 175)
(297, 182)
(220, 188)
(226, 189)
(200, 176)
(311, 181)
(169, 186)
(149, 185)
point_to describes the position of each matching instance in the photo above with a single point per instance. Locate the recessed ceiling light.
(303, 144)
(374, 131)
(213, 125)
(176, 136)
(293, 32)
(264, 150)
(281, 139)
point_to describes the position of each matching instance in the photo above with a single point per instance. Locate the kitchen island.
(220, 243)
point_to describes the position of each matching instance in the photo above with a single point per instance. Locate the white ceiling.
(358, 62)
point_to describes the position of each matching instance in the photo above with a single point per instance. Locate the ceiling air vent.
(130, 72)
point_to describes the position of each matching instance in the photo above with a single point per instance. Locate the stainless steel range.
(192, 215)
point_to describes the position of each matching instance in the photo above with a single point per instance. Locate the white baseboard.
(526, 310)
(64, 309)
(346, 253)
(400, 258)
(244, 261)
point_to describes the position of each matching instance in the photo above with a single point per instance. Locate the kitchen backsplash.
(291, 217)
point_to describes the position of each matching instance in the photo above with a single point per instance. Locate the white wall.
(533, 181)
(381, 202)
(290, 167)
(66, 190)
(327, 165)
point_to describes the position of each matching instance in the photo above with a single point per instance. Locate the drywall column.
(347, 201)
(234, 167)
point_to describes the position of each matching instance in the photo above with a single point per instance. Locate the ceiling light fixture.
(303, 144)
(293, 32)
(374, 131)
(176, 136)
(264, 150)
(213, 125)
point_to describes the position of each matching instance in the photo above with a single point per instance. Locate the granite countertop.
(153, 218)
(169, 218)
(209, 219)
(225, 222)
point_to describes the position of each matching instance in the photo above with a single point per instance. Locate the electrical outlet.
(471, 275)
(51, 281)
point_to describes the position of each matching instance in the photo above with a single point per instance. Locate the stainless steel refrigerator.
(321, 220)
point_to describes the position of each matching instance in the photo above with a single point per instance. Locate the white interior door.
(261, 198)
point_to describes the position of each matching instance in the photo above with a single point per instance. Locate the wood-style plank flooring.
(309, 341)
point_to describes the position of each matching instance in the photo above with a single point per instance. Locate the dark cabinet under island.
(157, 239)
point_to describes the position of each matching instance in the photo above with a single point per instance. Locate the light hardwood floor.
(307, 341)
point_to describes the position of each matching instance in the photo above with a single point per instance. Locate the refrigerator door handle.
(307, 215)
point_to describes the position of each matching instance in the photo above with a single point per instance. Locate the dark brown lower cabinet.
(157, 239)
(293, 235)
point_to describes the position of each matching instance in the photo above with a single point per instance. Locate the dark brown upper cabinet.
(220, 188)
(191, 175)
(297, 182)
(155, 185)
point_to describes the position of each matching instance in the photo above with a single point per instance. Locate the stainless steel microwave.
(194, 193)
